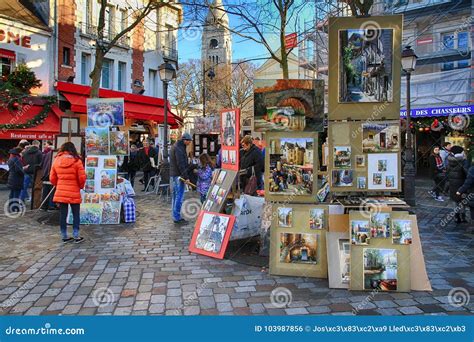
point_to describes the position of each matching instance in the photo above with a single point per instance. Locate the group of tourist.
(452, 175)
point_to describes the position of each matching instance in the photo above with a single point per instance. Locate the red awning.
(136, 106)
(7, 54)
(43, 131)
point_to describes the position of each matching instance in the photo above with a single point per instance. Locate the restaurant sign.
(439, 111)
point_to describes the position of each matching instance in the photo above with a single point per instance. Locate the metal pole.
(409, 169)
(165, 134)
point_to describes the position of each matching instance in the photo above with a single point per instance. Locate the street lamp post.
(408, 65)
(167, 74)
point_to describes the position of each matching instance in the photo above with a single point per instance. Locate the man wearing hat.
(179, 167)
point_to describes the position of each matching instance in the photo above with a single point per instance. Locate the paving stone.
(207, 302)
(156, 308)
(174, 302)
(406, 302)
(410, 310)
(385, 304)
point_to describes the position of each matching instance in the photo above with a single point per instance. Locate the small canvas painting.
(105, 112)
(361, 183)
(119, 143)
(342, 157)
(360, 161)
(360, 232)
(211, 233)
(221, 177)
(91, 198)
(108, 179)
(90, 173)
(285, 217)
(299, 248)
(90, 186)
(92, 161)
(316, 218)
(345, 260)
(401, 233)
(342, 178)
(380, 225)
(97, 141)
(381, 137)
(111, 212)
(110, 163)
(380, 269)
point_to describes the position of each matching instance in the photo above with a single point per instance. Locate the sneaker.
(439, 199)
(432, 193)
(67, 240)
(181, 221)
(79, 240)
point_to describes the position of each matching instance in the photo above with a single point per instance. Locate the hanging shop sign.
(439, 111)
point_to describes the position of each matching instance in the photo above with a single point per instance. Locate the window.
(122, 76)
(85, 68)
(107, 73)
(168, 42)
(448, 43)
(66, 56)
(88, 15)
(109, 31)
(152, 80)
(6, 66)
(214, 44)
(123, 20)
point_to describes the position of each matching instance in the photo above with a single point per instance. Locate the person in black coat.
(16, 176)
(456, 175)
(131, 164)
(32, 157)
(438, 174)
(144, 158)
(251, 160)
(179, 168)
(467, 189)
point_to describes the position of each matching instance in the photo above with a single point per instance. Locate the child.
(204, 175)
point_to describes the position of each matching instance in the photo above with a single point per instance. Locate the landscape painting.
(299, 248)
(380, 269)
(401, 234)
(380, 137)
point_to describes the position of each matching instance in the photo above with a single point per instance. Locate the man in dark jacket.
(15, 181)
(46, 162)
(251, 160)
(456, 174)
(131, 164)
(467, 189)
(144, 157)
(179, 167)
(32, 157)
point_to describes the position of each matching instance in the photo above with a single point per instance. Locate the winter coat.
(468, 187)
(456, 173)
(252, 160)
(179, 166)
(204, 179)
(144, 159)
(69, 177)
(46, 163)
(131, 163)
(32, 157)
(16, 174)
(434, 170)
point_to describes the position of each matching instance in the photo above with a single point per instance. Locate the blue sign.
(439, 111)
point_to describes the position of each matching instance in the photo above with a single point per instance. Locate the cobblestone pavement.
(146, 269)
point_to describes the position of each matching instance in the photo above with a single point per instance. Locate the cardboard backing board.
(348, 159)
(221, 186)
(288, 146)
(339, 223)
(376, 70)
(295, 248)
(419, 276)
(388, 251)
(338, 247)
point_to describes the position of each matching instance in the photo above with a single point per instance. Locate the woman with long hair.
(204, 173)
(68, 176)
(438, 174)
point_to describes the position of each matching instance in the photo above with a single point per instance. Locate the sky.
(189, 40)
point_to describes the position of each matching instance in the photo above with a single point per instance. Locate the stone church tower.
(216, 57)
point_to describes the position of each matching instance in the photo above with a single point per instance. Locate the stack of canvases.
(213, 228)
(372, 250)
(101, 202)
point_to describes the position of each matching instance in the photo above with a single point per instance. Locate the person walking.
(438, 174)
(16, 175)
(46, 163)
(144, 157)
(68, 176)
(204, 175)
(32, 157)
(445, 151)
(467, 191)
(251, 162)
(456, 175)
(131, 164)
(179, 168)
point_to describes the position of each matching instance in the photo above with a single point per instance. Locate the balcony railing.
(91, 31)
(169, 54)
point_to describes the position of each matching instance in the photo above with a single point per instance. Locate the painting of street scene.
(291, 166)
(342, 157)
(212, 232)
(285, 217)
(288, 105)
(97, 141)
(365, 65)
(342, 178)
(299, 248)
(345, 260)
(380, 269)
(228, 128)
(111, 212)
(119, 143)
(380, 137)
(401, 234)
(380, 225)
(360, 232)
(316, 219)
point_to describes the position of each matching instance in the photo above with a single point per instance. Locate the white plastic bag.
(248, 213)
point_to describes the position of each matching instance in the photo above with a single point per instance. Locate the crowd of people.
(453, 175)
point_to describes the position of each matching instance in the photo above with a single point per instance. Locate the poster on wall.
(365, 62)
(118, 142)
(105, 112)
(97, 140)
(382, 171)
(380, 137)
(230, 129)
(288, 105)
(211, 234)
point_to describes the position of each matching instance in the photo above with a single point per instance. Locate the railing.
(169, 53)
(91, 31)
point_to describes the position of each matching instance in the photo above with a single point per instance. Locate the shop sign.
(439, 111)
(18, 135)
(17, 38)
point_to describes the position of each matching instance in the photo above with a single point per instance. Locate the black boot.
(457, 216)
(463, 218)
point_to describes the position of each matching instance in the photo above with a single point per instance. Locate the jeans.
(131, 177)
(76, 219)
(203, 198)
(49, 203)
(14, 205)
(439, 180)
(26, 184)
(177, 195)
